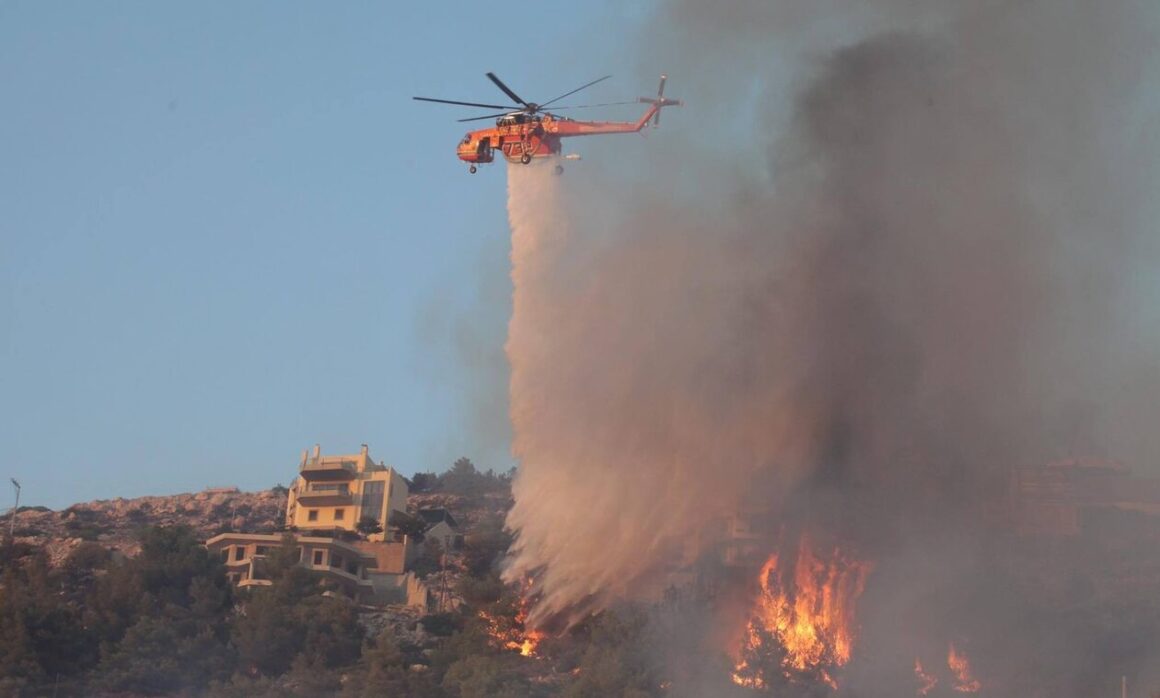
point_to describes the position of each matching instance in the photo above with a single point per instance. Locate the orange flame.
(511, 635)
(926, 680)
(514, 634)
(808, 609)
(531, 637)
(960, 666)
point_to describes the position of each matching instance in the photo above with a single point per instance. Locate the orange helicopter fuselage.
(519, 137)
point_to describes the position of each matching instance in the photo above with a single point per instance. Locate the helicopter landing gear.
(559, 169)
(526, 158)
(471, 169)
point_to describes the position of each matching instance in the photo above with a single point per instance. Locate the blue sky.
(227, 233)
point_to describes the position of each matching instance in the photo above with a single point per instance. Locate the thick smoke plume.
(936, 274)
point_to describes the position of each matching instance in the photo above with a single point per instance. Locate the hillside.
(118, 597)
(115, 523)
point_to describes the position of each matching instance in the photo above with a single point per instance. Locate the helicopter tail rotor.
(660, 101)
(660, 95)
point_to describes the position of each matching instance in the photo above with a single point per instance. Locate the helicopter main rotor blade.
(575, 90)
(489, 116)
(589, 106)
(465, 104)
(506, 90)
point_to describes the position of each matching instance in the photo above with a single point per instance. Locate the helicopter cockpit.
(515, 119)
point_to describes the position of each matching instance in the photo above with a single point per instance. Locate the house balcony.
(328, 469)
(326, 498)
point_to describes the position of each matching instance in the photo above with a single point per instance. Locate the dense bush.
(165, 622)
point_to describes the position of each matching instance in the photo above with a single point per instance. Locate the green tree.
(160, 655)
(424, 482)
(163, 617)
(383, 671)
(617, 661)
(481, 591)
(408, 525)
(18, 657)
(369, 525)
(267, 636)
(291, 619)
(462, 478)
(430, 558)
(309, 678)
(41, 630)
(485, 545)
(486, 676)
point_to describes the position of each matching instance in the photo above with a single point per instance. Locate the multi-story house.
(337, 492)
(325, 504)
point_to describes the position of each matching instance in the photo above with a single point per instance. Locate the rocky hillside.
(115, 522)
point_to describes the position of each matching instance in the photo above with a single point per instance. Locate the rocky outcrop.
(114, 522)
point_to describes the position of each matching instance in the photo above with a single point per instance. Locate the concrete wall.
(443, 533)
(405, 589)
(397, 494)
(390, 557)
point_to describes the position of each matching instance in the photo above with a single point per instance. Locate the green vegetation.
(369, 525)
(463, 479)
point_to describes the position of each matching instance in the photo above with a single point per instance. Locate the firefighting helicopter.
(534, 132)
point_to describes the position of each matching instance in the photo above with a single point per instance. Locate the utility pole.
(15, 508)
(442, 581)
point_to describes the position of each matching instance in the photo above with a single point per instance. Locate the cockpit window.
(467, 139)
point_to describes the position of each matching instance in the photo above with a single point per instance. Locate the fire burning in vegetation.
(531, 638)
(514, 634)
(960, 666)
(804, 614)
(962, 679)
(925, 680)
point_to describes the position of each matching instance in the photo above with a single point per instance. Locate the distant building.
(335, 492)
(441, 526)
(745, 542)
(245, 556)
(1058, 498)
(353, 567)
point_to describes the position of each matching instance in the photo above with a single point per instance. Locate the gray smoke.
(937, 270)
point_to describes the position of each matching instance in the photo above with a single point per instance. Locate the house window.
(339, 514)
(240, 552)
(226, 554)
(352, 567)
(312, 515)
(318, 557)
(336, 561)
